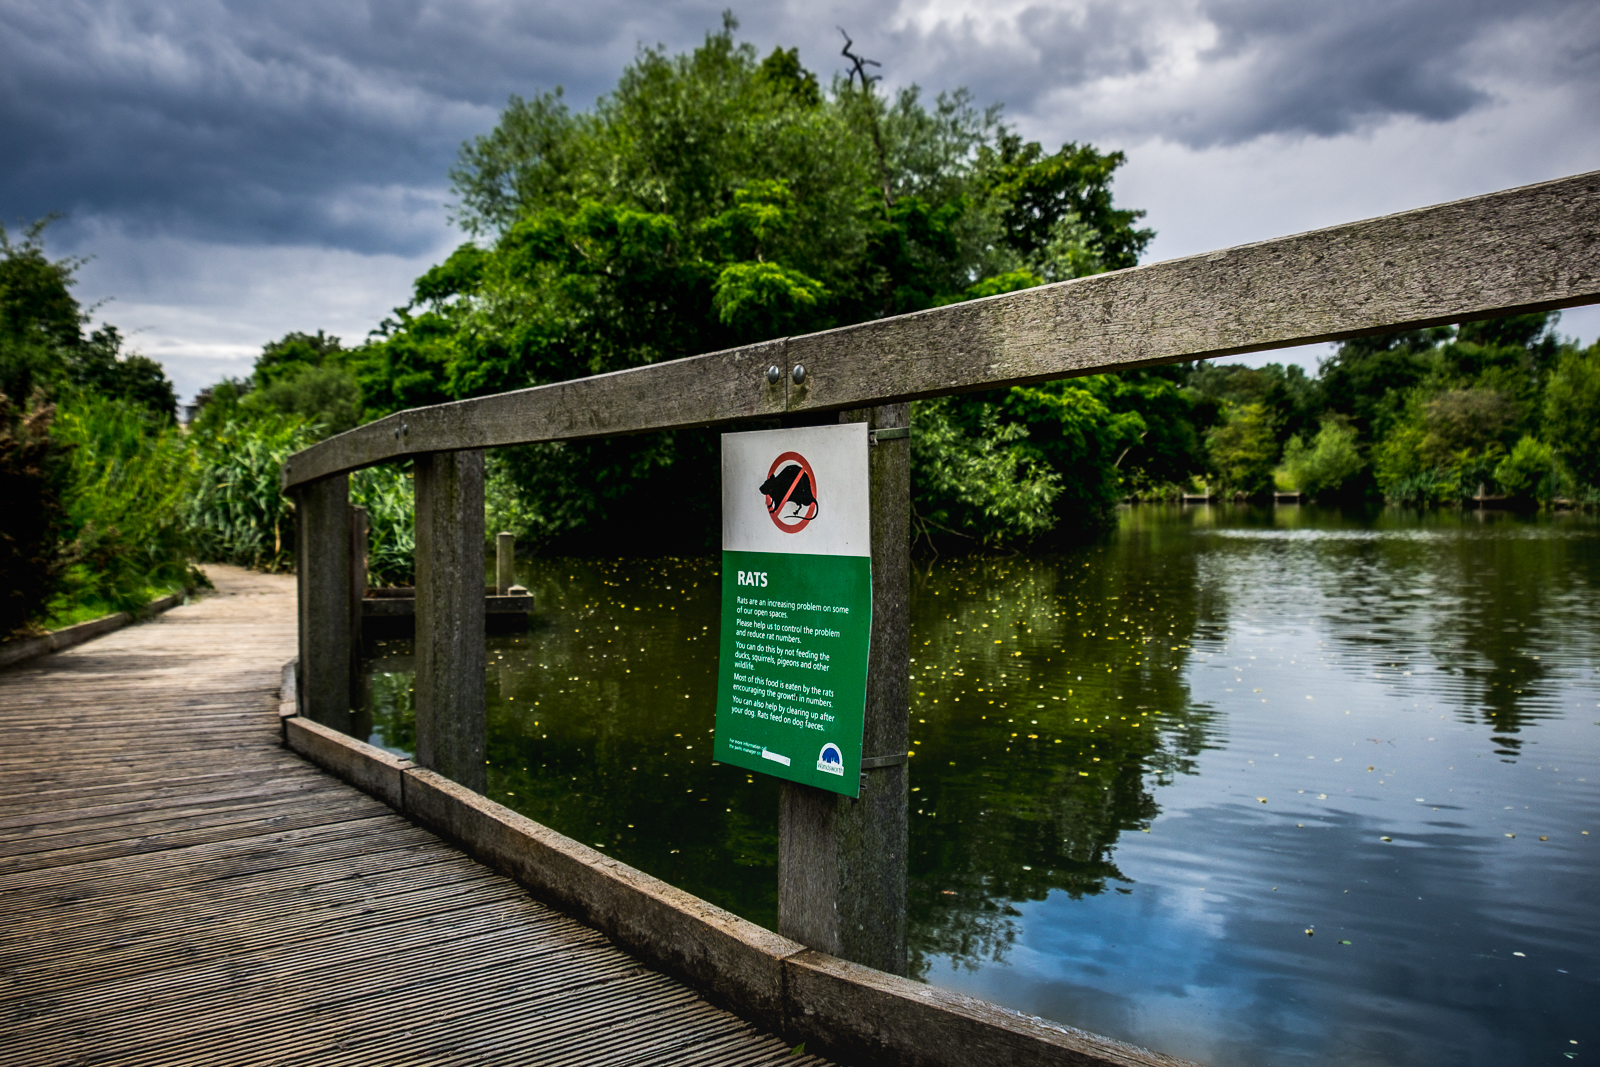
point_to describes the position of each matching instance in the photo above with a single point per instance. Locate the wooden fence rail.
(1528, 249)
(1533, 248)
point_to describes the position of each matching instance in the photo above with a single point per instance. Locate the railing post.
(358, 588)
(450, 654)
(323, 580)
(842, 862)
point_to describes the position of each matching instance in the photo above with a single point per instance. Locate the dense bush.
(1328, 464)
(979, 482)
(1529, 471)
(131, 477)
(33, 472)
(1244, 450)
(1572, 414)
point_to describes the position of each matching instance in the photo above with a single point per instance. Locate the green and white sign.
(796, 604)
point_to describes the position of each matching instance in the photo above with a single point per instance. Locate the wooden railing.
(842, 867)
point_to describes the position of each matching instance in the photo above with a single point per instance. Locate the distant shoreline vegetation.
(711, 199)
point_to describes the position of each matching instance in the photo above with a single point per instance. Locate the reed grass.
(237, 512)
(130, 481)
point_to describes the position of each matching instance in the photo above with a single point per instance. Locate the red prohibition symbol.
(791, 487)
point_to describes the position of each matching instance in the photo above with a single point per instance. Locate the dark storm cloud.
(333, 123)
(328, 123)
(1220, 72)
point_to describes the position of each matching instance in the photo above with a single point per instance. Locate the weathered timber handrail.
(1533, 248)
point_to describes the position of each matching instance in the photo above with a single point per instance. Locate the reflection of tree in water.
(600, 717)
(617, 750)
(390, 700)
(599, 725)
(1048, 693)
(1508, 593)
(1479, 606)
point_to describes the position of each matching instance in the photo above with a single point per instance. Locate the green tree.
(716, 198)
(99, 366)
(294, 352)
(1572, 413)
(1527, 471)
(1056, 210)
(42, 345)
(88, 452)
(1244, 449)
(979, 481)
(237, 512)
(1465, 420)
(1165, 449)
(327, 397)
(1292, 400)
(39, 317)
(35, 291)
(1369, 377)
(1328, 464)
(302, 375)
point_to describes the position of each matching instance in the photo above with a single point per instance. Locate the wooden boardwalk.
(176, 888)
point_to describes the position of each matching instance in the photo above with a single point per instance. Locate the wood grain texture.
(451, 655)
(698, 391)
(219, 900)
(1532, 248)
(322, 570)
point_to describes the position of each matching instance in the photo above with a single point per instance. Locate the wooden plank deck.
(176, 888)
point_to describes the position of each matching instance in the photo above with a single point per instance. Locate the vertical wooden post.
(842, 862)
(358, 588)
(360, 695)
(450, 654)
(505, 563)
(322, 576)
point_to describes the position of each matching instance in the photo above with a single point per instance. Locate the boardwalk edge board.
(1531, 248)
(26, 648)
(838, 1008)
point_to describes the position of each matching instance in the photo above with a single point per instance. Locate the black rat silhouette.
(791, 485)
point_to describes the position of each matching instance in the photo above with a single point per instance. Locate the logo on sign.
(791, 492)
(830, 761)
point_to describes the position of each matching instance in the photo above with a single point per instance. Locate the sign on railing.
(796, 604)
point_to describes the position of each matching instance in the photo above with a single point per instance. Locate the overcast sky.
(239, 170)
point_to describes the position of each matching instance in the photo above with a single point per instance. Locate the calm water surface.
(1244, 786)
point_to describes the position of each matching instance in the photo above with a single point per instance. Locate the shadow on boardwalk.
(180, 889)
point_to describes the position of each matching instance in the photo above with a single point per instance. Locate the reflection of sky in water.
(1431, 685)
(1159, 681)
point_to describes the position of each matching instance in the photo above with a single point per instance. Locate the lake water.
(1247, 786)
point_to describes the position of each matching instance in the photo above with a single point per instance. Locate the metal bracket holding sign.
(796, 604)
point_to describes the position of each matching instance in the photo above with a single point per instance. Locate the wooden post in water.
(842, 862)
(505, 563)
(450, 655)
(322, 574)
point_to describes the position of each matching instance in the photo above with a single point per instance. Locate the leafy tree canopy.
(43, 347)
(715, 198)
